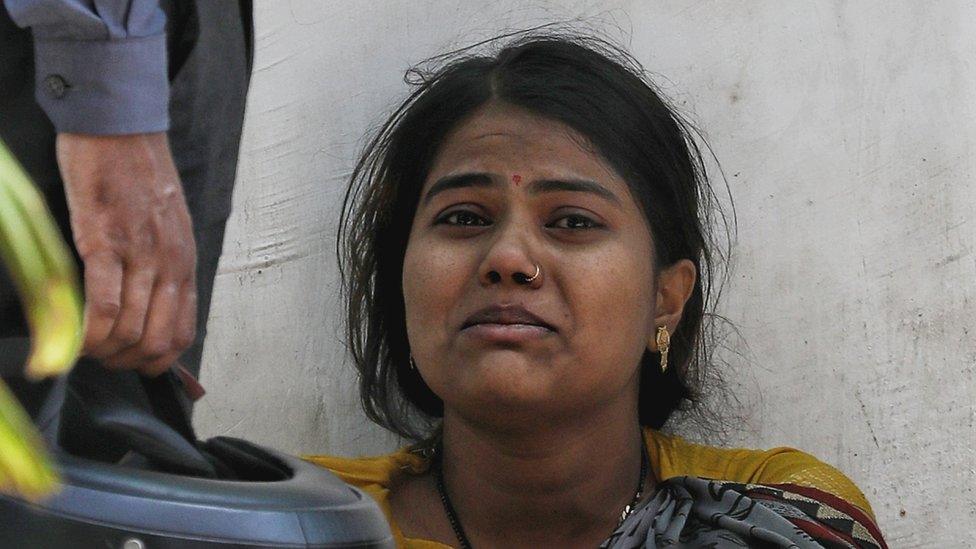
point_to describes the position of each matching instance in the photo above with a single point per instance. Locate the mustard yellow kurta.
(670, 456)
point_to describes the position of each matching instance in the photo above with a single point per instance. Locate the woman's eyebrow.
(478, 179)
(458, 181)
(573, 185)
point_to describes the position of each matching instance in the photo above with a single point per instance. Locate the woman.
(526, 254)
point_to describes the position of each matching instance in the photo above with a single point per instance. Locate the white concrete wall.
(847, 131)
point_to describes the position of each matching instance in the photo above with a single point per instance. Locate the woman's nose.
(509, 259)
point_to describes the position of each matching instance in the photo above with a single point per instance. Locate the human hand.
(133, 232)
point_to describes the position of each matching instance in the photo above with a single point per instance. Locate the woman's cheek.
(431, 279)
(415, 281)
(618, 306)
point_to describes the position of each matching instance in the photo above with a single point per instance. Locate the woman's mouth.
(507, 333)
(506, 324)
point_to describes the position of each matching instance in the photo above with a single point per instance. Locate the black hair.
(600, 92)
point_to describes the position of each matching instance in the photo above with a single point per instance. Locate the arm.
(100, 66)
(102, 80)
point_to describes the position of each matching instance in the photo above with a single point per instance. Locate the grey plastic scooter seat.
(134, 477)
(106, 506)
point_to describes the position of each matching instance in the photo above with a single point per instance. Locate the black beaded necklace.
(456, 522)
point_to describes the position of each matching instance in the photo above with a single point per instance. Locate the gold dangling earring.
(663, 344)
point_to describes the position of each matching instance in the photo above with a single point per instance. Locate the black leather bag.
(135, 477)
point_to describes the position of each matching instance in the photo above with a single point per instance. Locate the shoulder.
(674, 456)
(372, 470)
(375, 475)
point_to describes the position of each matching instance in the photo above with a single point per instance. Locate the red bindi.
(516, 179)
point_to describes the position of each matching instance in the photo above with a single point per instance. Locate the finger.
(186, 321)
(138, 286)
(159, 332)
(158, 366)
(103, 297)
(184, 332)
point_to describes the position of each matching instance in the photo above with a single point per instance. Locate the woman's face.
(508, 191)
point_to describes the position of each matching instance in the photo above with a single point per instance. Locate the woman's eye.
(575, 222)
(463, 218)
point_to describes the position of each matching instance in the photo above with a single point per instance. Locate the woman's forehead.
(513, 124)
(514, 143)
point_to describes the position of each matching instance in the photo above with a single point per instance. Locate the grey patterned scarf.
(690, 512)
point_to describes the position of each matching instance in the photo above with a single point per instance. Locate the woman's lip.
(507, 333)
(506, 314)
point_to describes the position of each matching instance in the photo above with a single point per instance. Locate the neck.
(565, 483)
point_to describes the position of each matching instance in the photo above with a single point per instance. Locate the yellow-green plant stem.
(25, 469)
(43, 271)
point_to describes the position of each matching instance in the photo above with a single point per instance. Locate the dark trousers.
(210, 44)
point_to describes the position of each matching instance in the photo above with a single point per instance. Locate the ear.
(674, 287)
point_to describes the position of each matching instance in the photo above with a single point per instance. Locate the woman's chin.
(509, 388)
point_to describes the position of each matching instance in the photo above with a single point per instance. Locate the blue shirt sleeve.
(100, 65)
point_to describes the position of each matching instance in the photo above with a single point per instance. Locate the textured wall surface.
(846, 132)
